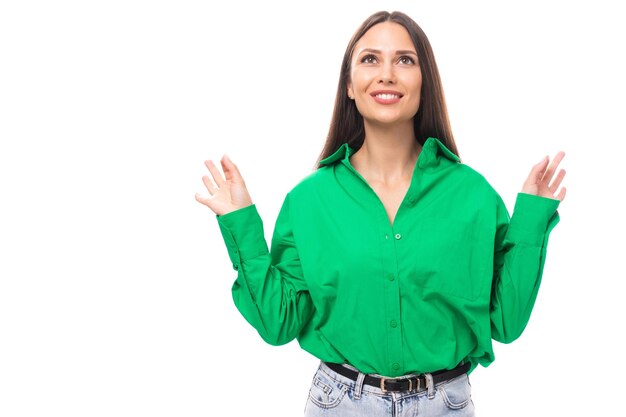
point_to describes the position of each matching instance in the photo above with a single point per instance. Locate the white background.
(115, 283)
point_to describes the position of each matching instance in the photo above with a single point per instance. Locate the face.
(385, 77)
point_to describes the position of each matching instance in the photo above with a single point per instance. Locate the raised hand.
(226, 193)
(541, 180)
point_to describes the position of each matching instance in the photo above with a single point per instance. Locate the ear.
(350, 91)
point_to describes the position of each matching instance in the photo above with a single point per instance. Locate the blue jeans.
(332, 394)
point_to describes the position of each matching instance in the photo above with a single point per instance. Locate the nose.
(387, 75)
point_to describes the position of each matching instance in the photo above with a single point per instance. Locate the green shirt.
(452, 272)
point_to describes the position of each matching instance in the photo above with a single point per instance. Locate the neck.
(387, 153)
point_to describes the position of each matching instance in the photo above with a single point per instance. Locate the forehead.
(386, 36)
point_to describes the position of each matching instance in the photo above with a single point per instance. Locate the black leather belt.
(417, 382)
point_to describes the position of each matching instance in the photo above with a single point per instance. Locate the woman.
(393, 263)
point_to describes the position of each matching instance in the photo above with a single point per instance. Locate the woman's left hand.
(541, 180)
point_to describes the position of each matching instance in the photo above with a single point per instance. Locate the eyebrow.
(400, 52)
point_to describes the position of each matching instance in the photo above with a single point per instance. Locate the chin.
(388, 121)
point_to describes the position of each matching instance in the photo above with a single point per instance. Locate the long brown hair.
(431, 119)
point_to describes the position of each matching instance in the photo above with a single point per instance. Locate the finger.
(538, 170)
(209, 185)
(557, 181)
(230, 170)
(561, 195)
(202, 200)
(553, 166)
(215, 173)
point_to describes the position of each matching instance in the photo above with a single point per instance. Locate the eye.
(407, 60)
(369, 59)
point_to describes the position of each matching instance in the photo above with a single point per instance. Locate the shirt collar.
(431, 151)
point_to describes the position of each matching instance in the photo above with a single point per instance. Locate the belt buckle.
(383, 389)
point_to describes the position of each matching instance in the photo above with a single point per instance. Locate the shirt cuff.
(243, 235)
(533, 217)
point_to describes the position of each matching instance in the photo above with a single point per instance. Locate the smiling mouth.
(386, 96)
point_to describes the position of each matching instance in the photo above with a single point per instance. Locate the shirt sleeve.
(520, 254)
(269, 291)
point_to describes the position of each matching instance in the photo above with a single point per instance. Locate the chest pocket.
(451, 259)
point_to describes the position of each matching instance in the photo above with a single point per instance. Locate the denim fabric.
(332, 394)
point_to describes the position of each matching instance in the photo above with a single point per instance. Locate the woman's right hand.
(227, 193)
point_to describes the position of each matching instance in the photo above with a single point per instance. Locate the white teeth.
(387, 96)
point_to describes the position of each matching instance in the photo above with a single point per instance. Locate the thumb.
(231, 172)
(537, 171)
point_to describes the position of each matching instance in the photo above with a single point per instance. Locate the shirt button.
(396, 366)
(398, 236)
(393, 323)
(391, 277)
(386, 236)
